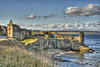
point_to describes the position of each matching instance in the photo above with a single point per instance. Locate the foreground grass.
(11, 56)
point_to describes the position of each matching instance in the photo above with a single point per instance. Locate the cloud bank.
(3, 23)
(88, 10)
(68, 27)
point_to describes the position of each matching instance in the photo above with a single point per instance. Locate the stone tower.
(81, 37)
(10, 29)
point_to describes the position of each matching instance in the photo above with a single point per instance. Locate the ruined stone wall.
(3, 30)
(28, 32)
(76, 38)
(64, 44)
(16, 31)
(32, 33)
(81, 37)
(59, 36)
(54, 43)
(71, 38)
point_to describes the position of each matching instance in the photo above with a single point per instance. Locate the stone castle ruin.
(80, 38)
(46, 39)
(15, 31)
(66, 42)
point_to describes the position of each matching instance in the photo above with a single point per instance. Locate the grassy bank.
(11, 56)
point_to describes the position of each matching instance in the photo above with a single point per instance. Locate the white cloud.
(88, 10)
(31, 16)
(79, 27)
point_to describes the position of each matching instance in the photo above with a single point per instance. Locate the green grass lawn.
(29, 41)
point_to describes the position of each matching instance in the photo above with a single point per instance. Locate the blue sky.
(19, 10)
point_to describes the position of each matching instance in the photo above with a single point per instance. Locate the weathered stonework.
(52, 43)
(14, 31)
(3, 30)
(81, 37)
(10, 29)
(71, 38)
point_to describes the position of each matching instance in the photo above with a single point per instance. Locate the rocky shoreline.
(59, 53)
